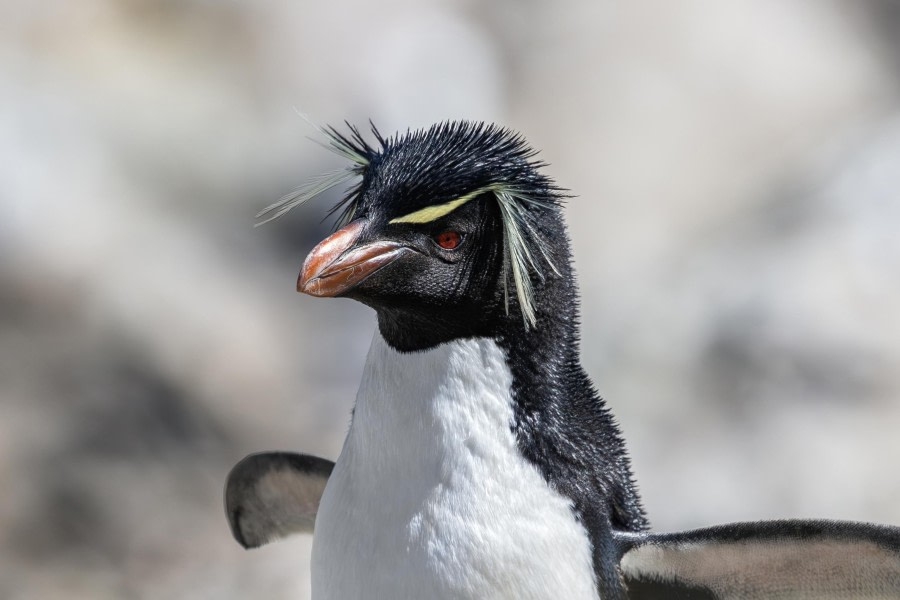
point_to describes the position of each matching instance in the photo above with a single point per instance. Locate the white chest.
(430, 497)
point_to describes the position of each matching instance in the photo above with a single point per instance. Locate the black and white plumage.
(481, 462)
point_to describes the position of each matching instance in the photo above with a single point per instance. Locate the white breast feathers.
(430, 497)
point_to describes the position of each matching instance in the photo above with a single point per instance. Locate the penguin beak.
(337, 264)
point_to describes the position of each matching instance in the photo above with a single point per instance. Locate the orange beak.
(336, 265)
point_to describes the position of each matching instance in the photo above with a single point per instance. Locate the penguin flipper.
(271, 495)
(783, 559)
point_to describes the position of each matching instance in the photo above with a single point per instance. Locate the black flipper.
(271, 495)
(820, 560)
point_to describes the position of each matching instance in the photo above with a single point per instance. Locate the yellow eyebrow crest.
(436, 211)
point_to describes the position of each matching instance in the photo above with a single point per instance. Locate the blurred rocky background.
(736, 230)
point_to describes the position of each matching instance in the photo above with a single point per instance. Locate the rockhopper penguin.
(480, 461)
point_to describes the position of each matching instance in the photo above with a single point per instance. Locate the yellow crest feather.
(436, 211)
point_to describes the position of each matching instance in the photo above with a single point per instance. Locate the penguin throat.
(413, 330)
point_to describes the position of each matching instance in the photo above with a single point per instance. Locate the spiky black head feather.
(446, 161)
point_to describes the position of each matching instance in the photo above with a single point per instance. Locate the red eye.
(448, 240)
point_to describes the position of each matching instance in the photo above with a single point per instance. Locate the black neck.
(564, 428)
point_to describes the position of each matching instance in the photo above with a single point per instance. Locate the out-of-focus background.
(736, 231)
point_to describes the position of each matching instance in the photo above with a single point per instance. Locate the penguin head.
(449, 232)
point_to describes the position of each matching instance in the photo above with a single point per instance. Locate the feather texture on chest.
(431, 497)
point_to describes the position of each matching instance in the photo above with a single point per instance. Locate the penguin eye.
(448, 240)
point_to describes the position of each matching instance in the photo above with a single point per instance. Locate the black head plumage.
(446, 165)
(448, 160)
